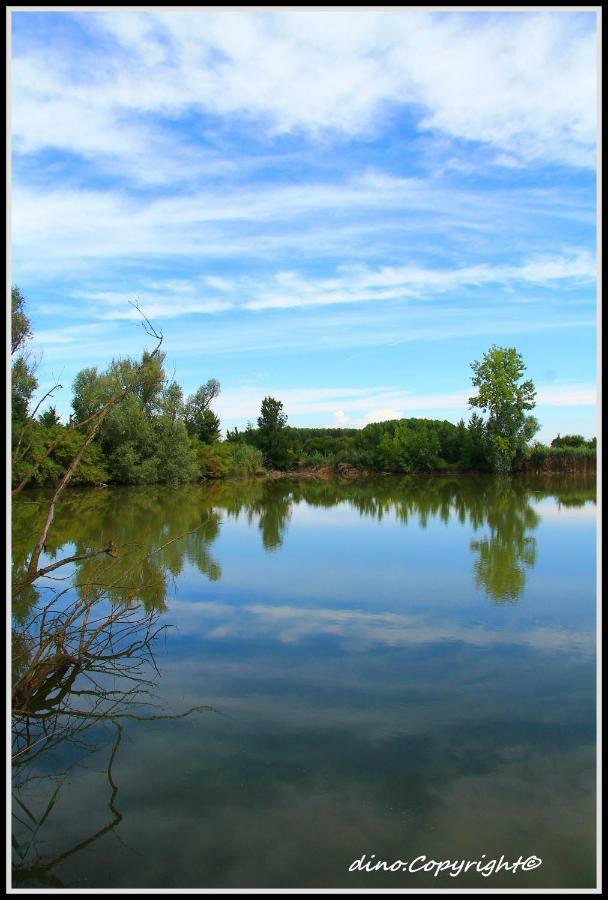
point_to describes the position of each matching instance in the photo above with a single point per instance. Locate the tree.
(197, 405)
(271, 418)
(20, 323)
(209, 430)
(472, 446)
(272, 438)
(49, 417)
(569, 440)
(78, 658)
(144, 438)
(23, 380)
(505, 399)
(173, 402)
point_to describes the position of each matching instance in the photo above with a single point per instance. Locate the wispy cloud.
(350, 284)
(60, 231)
(361, 284)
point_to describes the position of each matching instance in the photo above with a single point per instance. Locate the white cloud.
(291, 624)
(522, 83)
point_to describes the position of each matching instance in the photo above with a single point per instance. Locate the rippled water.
(402, 667)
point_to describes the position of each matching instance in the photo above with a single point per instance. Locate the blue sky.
(339, 208)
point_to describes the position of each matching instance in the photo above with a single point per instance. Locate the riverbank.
(554, 464)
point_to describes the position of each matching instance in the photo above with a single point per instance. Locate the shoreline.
(343, 473)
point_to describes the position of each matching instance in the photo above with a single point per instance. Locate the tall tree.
(197, 409)
(23, 380)
(272, 438)
(505, 398)
(20, 323)
(209, 431)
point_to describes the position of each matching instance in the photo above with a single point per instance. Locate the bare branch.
(109, 549)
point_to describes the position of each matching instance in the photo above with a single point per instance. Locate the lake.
(395, 669)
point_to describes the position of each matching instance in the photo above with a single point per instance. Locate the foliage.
(144, 438)
(49, 417)
(473, 444)
(20, 323)
(23, 380)
(505, 399)
(23, 385)
(228, 459)
(155, 435)
(271, 436)
(572, 440)
(272, 417)
(173, 402)
(209, 431)
(245, 460)
(563, 458)
(200, 420)
(405, 445)
(38, 439)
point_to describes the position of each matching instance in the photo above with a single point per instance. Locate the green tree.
(209, 431)
(49, 417)
(272, 417)
(272, 437)
(23, 380)
(144, 437)
(569, 440)
(173, 402)
(173, 457)
(197, 406)
(472, 445)
(20, 323)
(505, 398)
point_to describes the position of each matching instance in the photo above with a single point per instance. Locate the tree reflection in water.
(161, 528)
(83, 651)
(504, 556)
(77, 664)
(96, 664)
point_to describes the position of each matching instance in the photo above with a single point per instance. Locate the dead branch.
(109, 549)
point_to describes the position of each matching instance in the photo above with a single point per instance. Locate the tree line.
(157, 434)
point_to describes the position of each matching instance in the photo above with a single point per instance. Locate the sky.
(339, 208)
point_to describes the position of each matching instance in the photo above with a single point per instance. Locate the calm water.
(401, 667)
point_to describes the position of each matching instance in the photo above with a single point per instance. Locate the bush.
(36, 439)
(227, 460)
(561, 459)
(570, 440)
(244, 459)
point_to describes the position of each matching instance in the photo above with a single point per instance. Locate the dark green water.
(400, 667)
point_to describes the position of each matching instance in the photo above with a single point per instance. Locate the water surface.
(398, 667)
